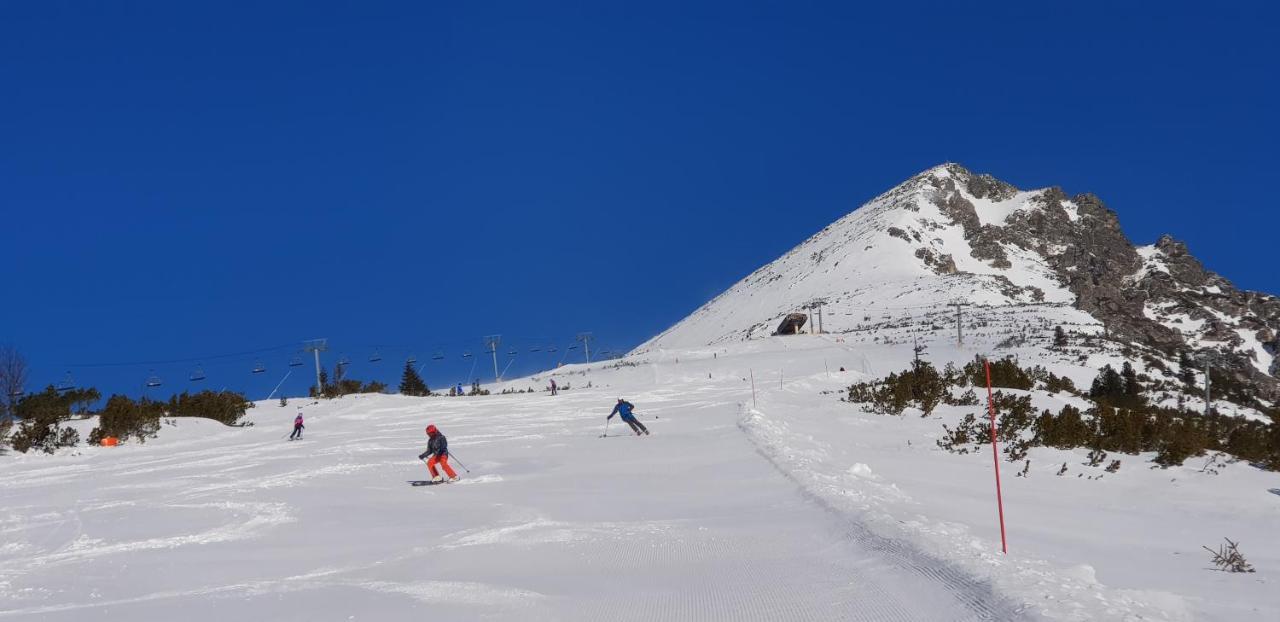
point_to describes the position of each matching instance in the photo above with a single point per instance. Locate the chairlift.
(552, 349)
(439, 355)
(16, 393)
(197, 374)
(535, 349)
(343, 361)
(513, 352)
(467, 354)
(153, 381)
(573, 347)
(67, 384)
(375, 357)
(411, 360)
(259, 368)
(295, 361)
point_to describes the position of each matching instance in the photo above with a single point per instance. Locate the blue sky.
(184, 180)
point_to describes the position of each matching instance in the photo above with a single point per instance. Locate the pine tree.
(1059, 337)
(1132, 389)
(1186, 370)
(1108, 386)
(411, 383)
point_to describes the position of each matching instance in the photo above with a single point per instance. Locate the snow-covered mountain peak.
(949, 235)
(918, 245)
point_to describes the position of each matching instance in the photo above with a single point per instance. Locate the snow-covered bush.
(124, 418)
(224, 406)
(1228, 557)
(42, 415)
(921, 386)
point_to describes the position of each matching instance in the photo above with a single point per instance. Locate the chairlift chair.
(375, 357)
(67, 384)
(153, 381)
(295, 361)
(552, 349)
(513, 352)
(411, 360)
(16, 393)
(439, 355)
(197, 374)
(467, 354)
(259, 368)
(344, 361)
(535, 349)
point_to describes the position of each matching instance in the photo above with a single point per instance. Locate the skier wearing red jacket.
(438, 449)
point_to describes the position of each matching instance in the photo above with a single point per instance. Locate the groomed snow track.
(978, 598)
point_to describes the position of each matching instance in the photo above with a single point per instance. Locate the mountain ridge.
(949, 235)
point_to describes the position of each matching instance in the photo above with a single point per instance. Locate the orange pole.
(995, 456)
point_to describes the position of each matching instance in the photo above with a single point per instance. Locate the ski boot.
(452, 479)
(437, 479)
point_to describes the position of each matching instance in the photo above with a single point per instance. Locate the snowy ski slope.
(552, 523)
(800, 507)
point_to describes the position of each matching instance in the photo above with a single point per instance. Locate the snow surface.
(759, 496)
(996, 212)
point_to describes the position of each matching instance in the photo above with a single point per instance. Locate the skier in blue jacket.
(623, 409)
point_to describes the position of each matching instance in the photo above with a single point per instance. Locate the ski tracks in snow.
(973, 573)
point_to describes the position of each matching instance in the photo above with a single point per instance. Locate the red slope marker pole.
(995, 457)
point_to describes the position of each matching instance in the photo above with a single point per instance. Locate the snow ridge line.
(977, 595)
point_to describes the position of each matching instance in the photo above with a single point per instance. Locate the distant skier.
(623, 409)
(459, 389)
(438, 449)
(553, 386)
(297, 426)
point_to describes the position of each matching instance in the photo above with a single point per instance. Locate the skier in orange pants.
(438, 449)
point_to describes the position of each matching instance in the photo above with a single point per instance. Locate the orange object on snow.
(110, 441)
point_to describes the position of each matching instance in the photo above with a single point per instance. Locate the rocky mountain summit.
(949, 235)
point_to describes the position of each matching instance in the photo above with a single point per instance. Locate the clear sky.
(181, 180)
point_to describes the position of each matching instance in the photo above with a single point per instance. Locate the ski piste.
(800, 506)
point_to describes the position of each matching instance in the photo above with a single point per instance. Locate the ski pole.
(455, 459)
(606, 429)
